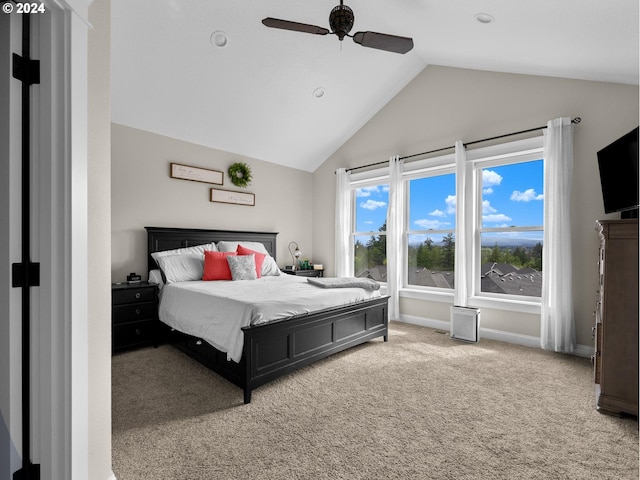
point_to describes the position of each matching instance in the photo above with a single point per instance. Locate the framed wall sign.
(237, 198)
(195, 174)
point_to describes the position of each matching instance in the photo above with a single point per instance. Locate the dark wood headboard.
(161, 238)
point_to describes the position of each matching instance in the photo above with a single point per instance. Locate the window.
(370, 232)
(503, 205)
(509, 225)
(430, 234)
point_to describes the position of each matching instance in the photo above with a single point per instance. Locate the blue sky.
(512, 195)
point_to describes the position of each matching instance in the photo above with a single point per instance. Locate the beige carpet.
(421, 406)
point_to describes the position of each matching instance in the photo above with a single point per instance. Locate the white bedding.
(217, 310)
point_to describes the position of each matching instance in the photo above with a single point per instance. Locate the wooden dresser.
(616, 329)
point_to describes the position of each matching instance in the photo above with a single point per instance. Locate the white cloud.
(487, 191)
(438, 213)
(428, 224)
(526, 196)
(373, 204)
(451, 204)
(497, 217)
(490, 178)
(367, 191)
(487, 208)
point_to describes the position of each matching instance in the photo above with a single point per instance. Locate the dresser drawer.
(133, 295)
(134, 333)
(133, 312)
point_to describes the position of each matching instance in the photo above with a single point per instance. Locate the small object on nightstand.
(134, 278)
(295, 253)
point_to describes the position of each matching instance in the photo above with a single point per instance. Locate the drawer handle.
(137, 311)
(137, 294)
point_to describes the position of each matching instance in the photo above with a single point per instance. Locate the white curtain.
(344, 212)
(464, 244)
(395, 222)
(557, 330)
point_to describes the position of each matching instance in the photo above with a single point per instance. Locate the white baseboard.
(502, 336)
(112, 476)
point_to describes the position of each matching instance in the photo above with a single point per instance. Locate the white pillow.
(232, 246)
(196, 249)
(269, 266)
(155, 276)
(181, 268)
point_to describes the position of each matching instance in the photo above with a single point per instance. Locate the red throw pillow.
(259, 257)
(216, 266)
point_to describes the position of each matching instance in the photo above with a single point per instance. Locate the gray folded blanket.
(345, 282)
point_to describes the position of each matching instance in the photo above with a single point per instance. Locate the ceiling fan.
(341, 21)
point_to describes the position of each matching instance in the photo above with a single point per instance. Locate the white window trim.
(428, 168)
(510, 153)
(361, 180)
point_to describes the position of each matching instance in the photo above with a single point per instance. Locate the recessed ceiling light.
(485, 18)
(318, 92)
(219, 39)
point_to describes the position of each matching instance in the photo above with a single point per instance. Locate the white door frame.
(63, 239)
(60, 420)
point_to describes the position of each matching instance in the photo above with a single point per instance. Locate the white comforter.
(216, 311)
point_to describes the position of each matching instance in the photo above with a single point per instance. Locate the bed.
(274, 347)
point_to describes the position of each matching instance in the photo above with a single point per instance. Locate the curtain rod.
(575, 121)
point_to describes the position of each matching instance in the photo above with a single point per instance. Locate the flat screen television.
(618, 164)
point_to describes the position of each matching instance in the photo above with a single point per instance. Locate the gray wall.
(442, 105)
(143, 194)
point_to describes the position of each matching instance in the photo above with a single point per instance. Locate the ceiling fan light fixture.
(341, 20)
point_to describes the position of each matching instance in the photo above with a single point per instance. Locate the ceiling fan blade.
(382, 41)
(294, 26)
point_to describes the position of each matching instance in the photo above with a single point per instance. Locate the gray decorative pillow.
(243, 267)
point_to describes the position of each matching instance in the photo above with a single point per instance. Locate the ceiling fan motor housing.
(341, 20)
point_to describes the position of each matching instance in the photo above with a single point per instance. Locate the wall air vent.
(465, 323)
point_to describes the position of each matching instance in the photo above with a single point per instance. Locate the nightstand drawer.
(133, 312)
(133, 295)
(309, 273)
(134, 333)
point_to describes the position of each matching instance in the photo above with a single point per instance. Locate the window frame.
(362, 180)
(434, 167)
(510, 153)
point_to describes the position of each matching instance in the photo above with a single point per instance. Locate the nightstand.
(134, 315)
(304, 273)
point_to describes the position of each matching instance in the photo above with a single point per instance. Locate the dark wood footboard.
(274, 349)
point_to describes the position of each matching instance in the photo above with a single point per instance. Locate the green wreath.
(240, 174)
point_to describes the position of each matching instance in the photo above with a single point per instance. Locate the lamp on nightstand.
(295, 253)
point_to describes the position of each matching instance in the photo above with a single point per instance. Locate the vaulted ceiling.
(257, 95)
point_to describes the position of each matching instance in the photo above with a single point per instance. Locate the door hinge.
(32, 472)
(25, 275)
(26, 70)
